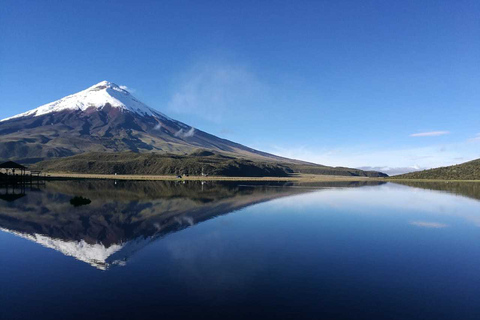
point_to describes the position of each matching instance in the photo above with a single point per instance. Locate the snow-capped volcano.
(102, 94)
(104, 118)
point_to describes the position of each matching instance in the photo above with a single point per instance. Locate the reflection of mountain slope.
(123, 217)
(94, 254)
(122, 220)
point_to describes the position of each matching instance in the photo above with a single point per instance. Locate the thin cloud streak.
(430, 134)
(427, 224)
(185, 134)
(475, 139)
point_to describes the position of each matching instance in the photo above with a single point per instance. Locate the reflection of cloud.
(421, 204)
(203, 261)
(426, 224)
(430, 134)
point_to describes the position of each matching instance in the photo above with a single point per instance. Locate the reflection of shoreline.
(466, 189)
(199, 190)
(295, 178)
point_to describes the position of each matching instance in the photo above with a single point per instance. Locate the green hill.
(195, 163)
(465, 171)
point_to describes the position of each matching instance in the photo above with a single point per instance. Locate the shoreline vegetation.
(198, 163)
(293, 178)
(460, 172)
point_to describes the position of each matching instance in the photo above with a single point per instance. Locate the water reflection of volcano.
(125, 216)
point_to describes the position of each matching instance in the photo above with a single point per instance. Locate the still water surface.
(168, 250)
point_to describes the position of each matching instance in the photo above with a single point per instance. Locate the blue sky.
(351, 83)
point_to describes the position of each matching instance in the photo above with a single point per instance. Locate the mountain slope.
(465, 171)
(104, 118)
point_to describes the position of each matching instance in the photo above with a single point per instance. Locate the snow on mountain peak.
(107, 85)
(97, 96)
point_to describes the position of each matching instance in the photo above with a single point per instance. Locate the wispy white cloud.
(185, 134)
(475, 139)
(190, 132)
(226, 131)
(209, 90)
(430, 134)
(426, 224)
(123, 87)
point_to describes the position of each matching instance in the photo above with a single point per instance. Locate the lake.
(173, 250)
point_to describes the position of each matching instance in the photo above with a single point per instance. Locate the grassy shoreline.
(296, 178)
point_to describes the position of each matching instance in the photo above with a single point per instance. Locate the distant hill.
(392, 171)
(196, 163)
(465, 171)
